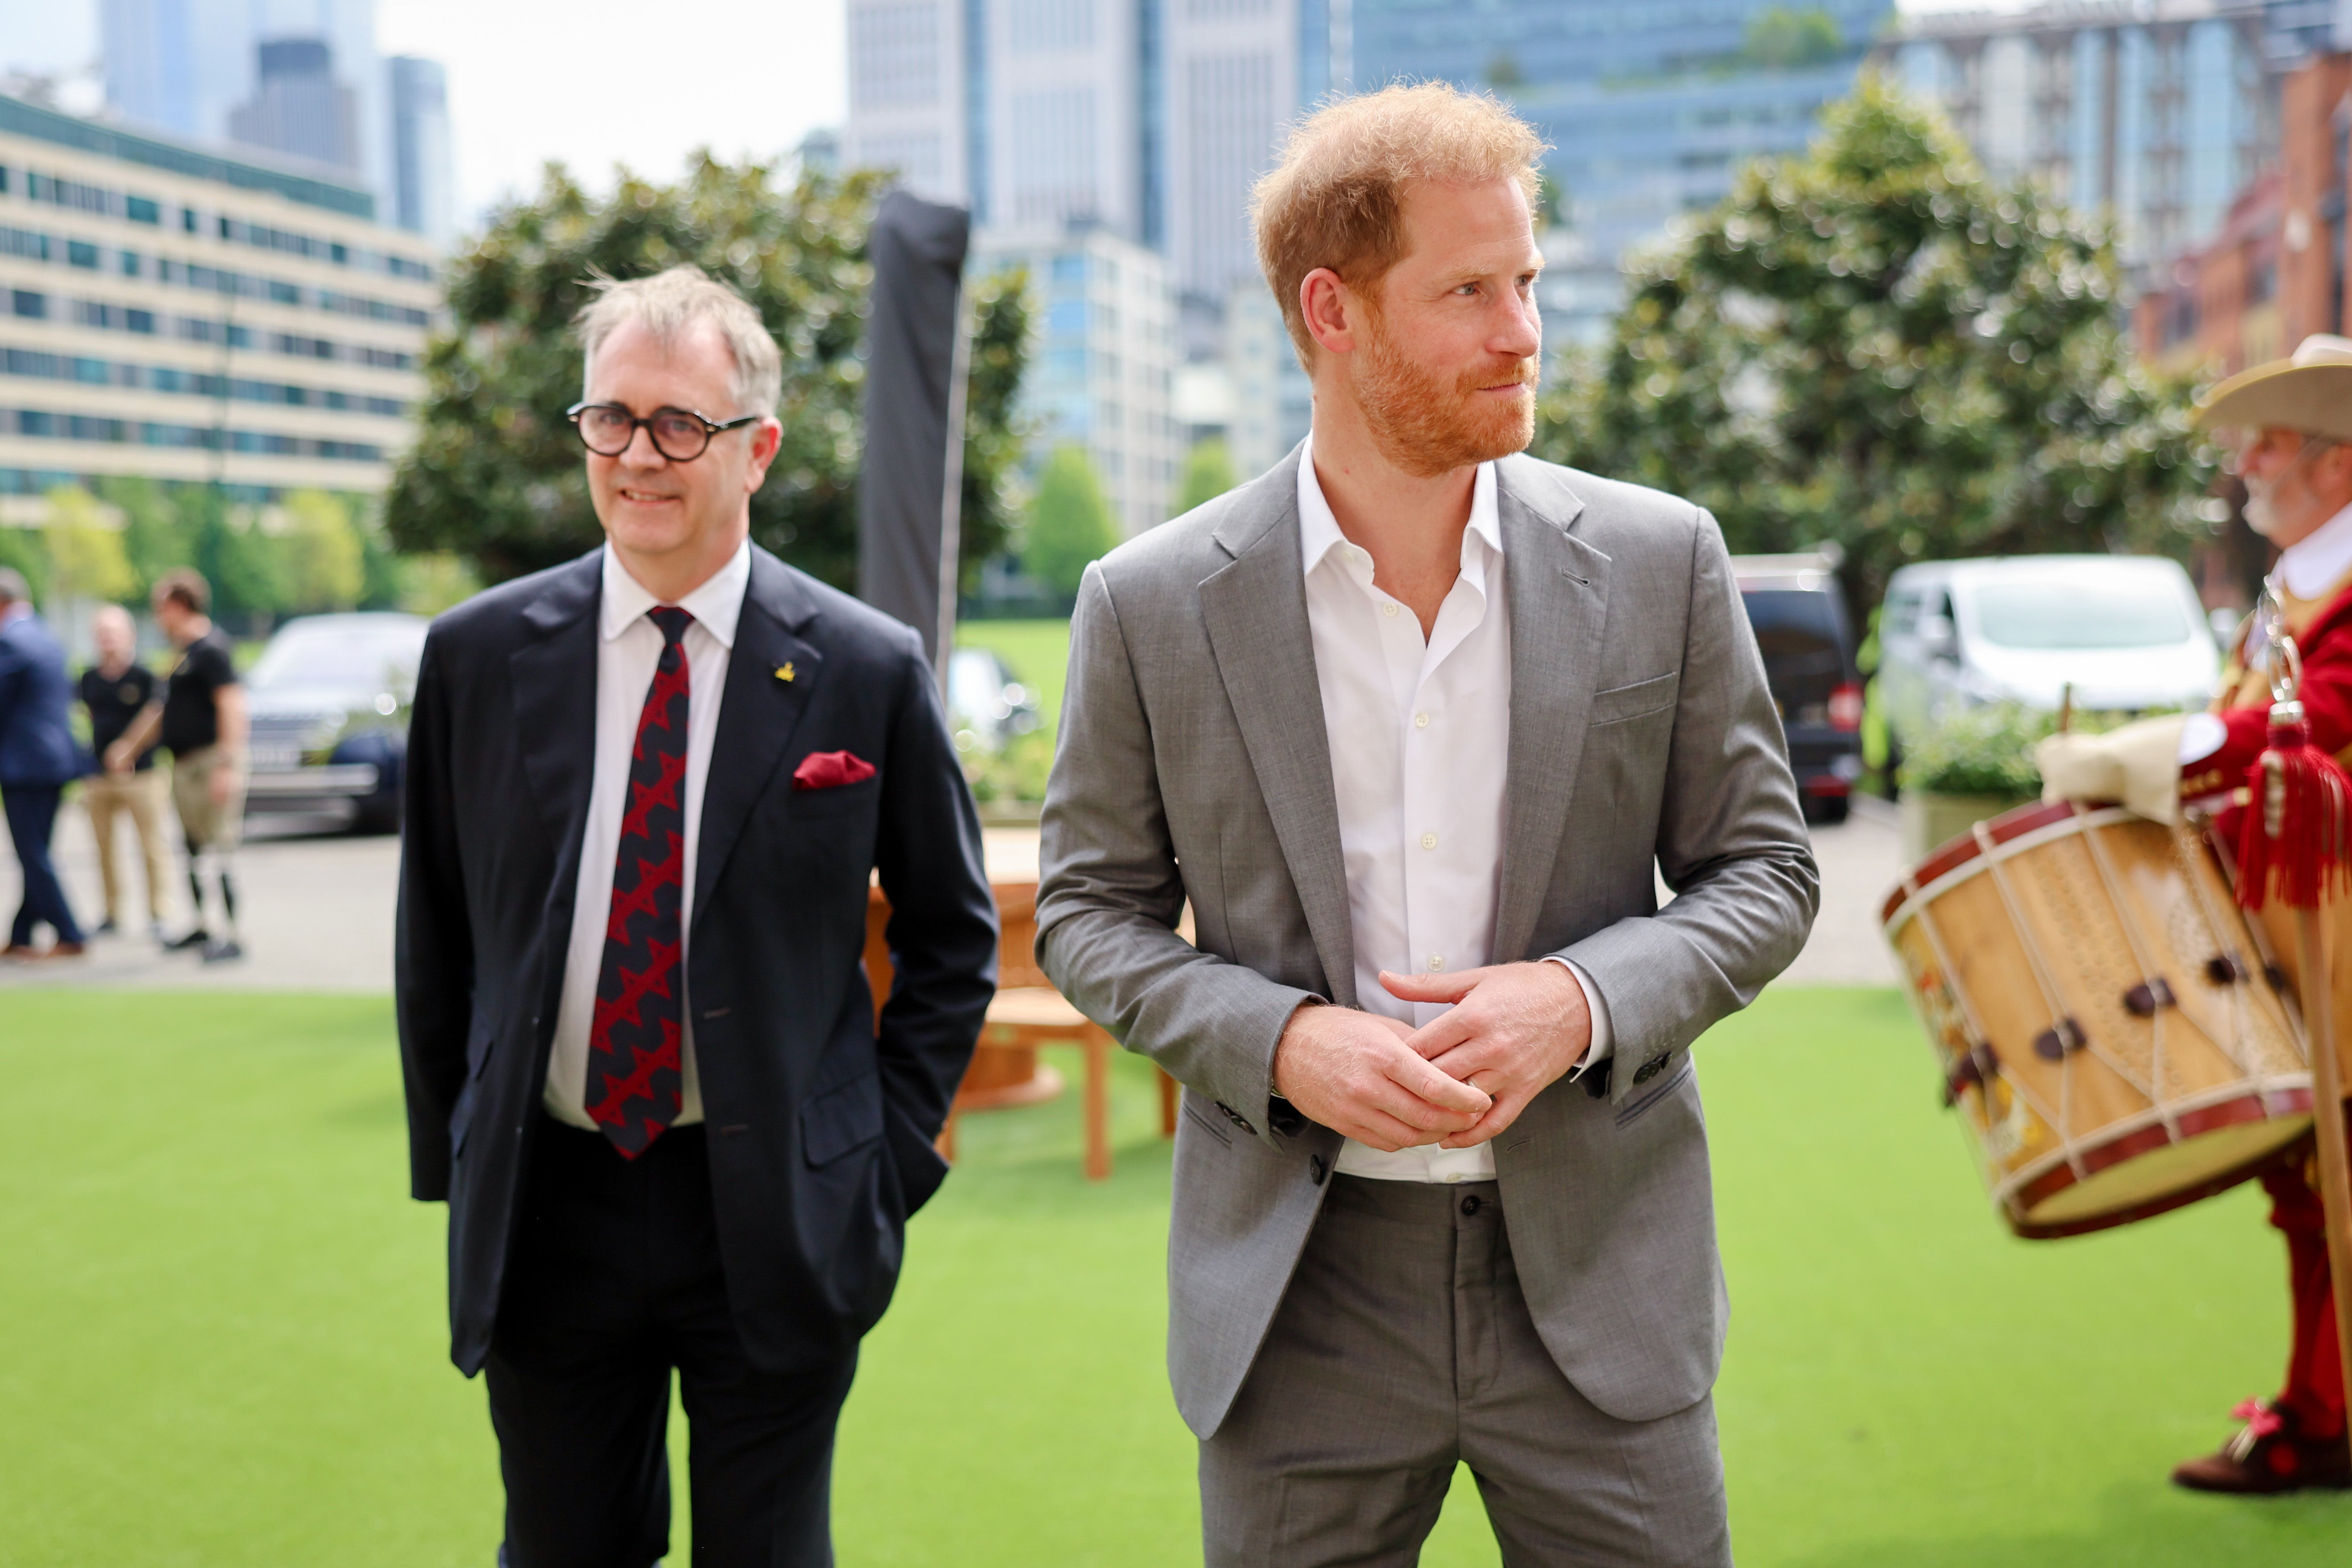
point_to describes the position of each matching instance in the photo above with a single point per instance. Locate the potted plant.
(1974, 764)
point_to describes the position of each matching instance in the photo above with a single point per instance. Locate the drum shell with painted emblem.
(2110, 1025)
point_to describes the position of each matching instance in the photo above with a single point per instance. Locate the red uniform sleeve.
(2326, 701)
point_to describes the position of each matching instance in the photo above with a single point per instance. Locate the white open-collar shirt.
(628, 646)
(1419, 733)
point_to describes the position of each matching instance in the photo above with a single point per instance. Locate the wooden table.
(1005, 1070)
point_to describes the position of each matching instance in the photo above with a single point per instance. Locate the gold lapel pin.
(785, 673)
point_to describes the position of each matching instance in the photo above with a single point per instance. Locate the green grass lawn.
(222, 1325)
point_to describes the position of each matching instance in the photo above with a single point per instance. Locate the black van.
(1798, 614)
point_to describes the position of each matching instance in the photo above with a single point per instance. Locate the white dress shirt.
(2305, 569)
(628, 646)
(1420, 733)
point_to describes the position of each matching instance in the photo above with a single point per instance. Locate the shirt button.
(1436, 961)
(1453, 1178)
(1389, 609)
(1428, 841)
(1420, 721)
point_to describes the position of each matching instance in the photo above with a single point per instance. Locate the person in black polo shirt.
(201, 719)
(116, 690)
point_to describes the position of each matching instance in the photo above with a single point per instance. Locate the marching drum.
(2113, 1031)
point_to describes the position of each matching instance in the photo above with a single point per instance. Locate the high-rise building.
(187, 66)
(297, 106)
(425, 201)
(2156, 113)
(168, 312)
(1105, 362)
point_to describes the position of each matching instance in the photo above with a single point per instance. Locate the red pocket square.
(830, 769)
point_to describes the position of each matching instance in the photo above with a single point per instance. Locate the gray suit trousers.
(1404, 1345)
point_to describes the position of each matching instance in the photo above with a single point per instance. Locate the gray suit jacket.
(1193, 764)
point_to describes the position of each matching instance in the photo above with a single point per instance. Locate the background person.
(115, 691)
(644, 794)
(203, 723)
(37, 758)
(1404, 719)
(2293, 417)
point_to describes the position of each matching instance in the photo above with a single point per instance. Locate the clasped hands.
(1459, 1079)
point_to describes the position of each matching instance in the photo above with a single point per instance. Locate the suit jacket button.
(1650, 1070)
(1315, 1170)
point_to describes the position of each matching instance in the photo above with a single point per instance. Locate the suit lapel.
(1559, 589)
(553, 679)
(1256, 612)
(759, 711)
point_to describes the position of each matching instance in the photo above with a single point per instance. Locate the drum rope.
(2239, 1049)
(1967, 1009)
(2158, 988)
(2047, 984)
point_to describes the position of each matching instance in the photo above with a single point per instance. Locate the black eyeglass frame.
(711, 427)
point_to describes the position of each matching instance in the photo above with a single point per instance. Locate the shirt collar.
(16, 610)
(2309, 564)
(715, 605)
(1319, 527)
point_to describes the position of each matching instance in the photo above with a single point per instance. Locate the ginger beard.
(1428, 424)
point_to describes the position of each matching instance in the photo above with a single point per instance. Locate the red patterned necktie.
(634, 1082)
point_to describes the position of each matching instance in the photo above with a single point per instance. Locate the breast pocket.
(1642, 698)
(841, 800)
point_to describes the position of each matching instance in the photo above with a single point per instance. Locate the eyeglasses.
(679, 434)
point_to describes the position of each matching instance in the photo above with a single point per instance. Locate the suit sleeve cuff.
(1604, 1040)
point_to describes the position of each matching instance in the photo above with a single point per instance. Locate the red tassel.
(2297, 840)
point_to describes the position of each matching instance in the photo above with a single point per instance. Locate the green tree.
(495, 473)
(21, 550)
(245, 571)
(1208, 474)
(1070, 520)
(324, 564)
(1873, 345)
(154, 535)
(86, 555)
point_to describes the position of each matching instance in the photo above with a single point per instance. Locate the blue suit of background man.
(39, 758)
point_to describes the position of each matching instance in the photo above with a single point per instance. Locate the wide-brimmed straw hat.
(2310, 391)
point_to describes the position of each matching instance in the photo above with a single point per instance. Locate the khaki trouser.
(140, 796)
(208, 826)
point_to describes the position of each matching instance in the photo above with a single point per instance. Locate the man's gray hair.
(668, 304)
(14, 589)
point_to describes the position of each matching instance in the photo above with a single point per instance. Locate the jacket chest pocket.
(1621, 704)
(840, 800)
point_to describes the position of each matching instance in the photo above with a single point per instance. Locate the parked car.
(329, 700)
(985, 703)
(1799, 615)
(2126, 632)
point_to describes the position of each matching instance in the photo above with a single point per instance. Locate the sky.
(591, 82)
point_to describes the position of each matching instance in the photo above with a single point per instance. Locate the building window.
(139, 209)
(81, 252)
(29, 305)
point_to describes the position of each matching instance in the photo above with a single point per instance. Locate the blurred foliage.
(326, 566)
(1987, 749)
(1208, 474)
(496, 474)
(1873, 345)
(86, 560)
(318, 550)
(1070, 522)
(1017, 771)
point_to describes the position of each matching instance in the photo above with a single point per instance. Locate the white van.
(2126, 632)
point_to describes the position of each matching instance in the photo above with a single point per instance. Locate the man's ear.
(2331, 474)
(767, 439)
(1333, 313)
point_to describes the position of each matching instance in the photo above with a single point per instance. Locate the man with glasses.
(2293, 418)
(646, 792)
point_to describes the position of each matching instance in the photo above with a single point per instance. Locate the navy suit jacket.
(38, 750)
(820, 1124)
